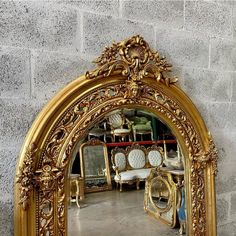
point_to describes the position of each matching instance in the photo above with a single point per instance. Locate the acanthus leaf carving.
(135, 59)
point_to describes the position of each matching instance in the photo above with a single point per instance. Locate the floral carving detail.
(213, 155)
(26, 176)
(135, 60)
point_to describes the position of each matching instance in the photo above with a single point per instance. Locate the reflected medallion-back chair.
(120, 126)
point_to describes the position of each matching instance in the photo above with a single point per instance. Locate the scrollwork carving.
(134, 60)
(48, 180)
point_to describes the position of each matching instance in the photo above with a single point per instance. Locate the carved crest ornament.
(129, 73)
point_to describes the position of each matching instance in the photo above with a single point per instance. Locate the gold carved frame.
(150, 207)
(128, 74)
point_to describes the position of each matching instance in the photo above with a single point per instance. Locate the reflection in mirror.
(46, 207)
(95, 169)
(94, 163)
(135, 156)
(160, 194)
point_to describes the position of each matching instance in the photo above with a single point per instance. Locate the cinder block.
(14, 73)
(38, 25)
(233, 206)
(16, 118)
(227, 229)
(233, 99)
(225, 2)
(209, 18)
(100, 31)
(164, 13)
(223, 55)
(106, 7)
(218, 115)
(183, 48)
(52, 71)
(225, 143)
(7, 224)
(222, 207)
(7, 169)
(231, 123)
(205, 86)
(234, 19)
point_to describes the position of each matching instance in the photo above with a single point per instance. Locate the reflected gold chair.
(120, 126)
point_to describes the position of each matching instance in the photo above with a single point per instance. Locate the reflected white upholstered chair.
(120, 126)
(137, 161)
(119, 165)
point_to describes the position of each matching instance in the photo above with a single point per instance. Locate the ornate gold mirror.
(129, 76)
(163, 196)
(95, 169)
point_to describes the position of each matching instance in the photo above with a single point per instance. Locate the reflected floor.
(115, 213)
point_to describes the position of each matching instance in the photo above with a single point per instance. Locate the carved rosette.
(134, 60)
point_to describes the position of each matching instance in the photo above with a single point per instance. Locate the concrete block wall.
(46, 44)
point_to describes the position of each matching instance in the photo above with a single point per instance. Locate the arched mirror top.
(129, 74)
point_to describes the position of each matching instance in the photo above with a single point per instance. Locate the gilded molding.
(136, 64)
(160, 101)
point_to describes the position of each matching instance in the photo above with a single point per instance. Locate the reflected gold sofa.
(133, 164)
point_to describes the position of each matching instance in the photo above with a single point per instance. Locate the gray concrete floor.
(114, 213)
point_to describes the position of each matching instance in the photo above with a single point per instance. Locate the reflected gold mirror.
(160, 193)
(167, 164)
(95, 169)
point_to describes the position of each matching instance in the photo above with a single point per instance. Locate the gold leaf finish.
(129, 74)
(25, 178)
(135, 60)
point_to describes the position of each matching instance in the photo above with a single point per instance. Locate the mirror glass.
(95, 169)
(128, 178)
(94, 161)
(160, 193)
